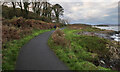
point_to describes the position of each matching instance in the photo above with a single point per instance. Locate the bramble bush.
(19, 27)
(59, 38)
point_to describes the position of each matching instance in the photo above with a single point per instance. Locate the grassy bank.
(83, 50)
(12, 48)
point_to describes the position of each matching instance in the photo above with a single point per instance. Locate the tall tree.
(49, 12)
(26, 8)
(46, 8)
(14, 6)
(58, 11)
(26, 5)
(20, 5)
(36, 7)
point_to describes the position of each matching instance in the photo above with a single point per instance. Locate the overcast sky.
(90, 11)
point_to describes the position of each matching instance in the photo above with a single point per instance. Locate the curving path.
(36, 55)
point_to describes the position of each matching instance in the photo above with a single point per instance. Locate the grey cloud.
(91, 12)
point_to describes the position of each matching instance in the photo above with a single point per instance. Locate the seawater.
(116, 37)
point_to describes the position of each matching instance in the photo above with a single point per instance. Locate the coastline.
(115, 32)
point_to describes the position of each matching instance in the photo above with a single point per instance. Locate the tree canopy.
(42, 9)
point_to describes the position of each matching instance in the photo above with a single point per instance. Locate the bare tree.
(26, 6)
(58, 11)
(36, 7)
(14, 4)
(46, 8)
(20, 5)
(3, 3)
(14, 7)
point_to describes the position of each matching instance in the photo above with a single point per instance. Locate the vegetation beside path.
(15, 33)
(76, 57)
(82, 52)
(12, 48)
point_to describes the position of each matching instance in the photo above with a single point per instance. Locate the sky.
(89, 11)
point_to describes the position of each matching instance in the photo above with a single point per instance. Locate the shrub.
(18, 27)
(93, 44)
(10, 33)
(59, 38)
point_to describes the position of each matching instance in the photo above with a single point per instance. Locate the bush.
(18, 27)
(59, 38)
(10, 33)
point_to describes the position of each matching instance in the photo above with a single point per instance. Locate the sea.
(116, 36)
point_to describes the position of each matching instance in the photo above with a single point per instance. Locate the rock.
(114, 50)
(102, 61)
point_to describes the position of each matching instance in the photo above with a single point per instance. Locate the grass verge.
(11, 49)
(83, 51)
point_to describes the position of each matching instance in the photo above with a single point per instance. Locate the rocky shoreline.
(112, 60)
(102, 34)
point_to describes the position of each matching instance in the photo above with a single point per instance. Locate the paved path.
(36, 55)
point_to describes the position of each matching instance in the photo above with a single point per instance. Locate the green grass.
(11, 49)
(84, 50)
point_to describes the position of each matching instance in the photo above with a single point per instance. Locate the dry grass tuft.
(59, 38)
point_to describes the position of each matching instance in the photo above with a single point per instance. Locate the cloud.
(91, 12)
(83, 0)
(105, 15)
